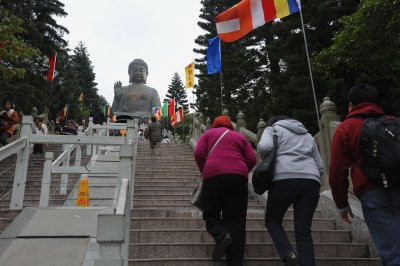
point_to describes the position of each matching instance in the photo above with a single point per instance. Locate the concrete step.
(195, 213)
(252, 236)
(252, 250)
(251, 262)
(177, 204)
(191, 223)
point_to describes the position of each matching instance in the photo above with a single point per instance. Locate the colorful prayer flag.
(214, 56)
(52, 63)
(164, 109)
(189, 71)
(248, 15)
(108, 111)
(171, 108)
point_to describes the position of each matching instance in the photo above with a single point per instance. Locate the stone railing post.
(46, 180)
(260, 129)
(21, 167)
(208, 123)
(240, 121)
(201, 119)
(226, 112)
(328, 115)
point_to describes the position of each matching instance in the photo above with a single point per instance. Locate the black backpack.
(380, 151)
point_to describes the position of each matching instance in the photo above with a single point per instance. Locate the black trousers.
(37, 148)
(226, 209)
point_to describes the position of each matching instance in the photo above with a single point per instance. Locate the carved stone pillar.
(328, 115)
(260, 129)
(208, 123)
(226, 112)
(240, 120)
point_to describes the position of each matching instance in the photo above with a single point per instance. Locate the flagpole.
(222, 104)
(51, 92)
(309, 65)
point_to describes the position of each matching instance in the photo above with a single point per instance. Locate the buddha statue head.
(138, 71)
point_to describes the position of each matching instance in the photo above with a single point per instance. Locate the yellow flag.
(189, 70)
(81, 97)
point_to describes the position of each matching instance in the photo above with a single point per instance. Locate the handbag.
(196, 199)
(264, 173)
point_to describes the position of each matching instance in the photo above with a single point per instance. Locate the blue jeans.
(304, 195)
(381, 209)
(3, 138)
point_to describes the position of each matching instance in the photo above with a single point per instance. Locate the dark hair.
(153, 119)
(275, 119)
(10, 101)
(363, 94)
(39, 119)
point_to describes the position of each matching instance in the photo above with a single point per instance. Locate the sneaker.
(219, 250)
(291, 259)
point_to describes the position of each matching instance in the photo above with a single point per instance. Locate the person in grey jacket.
(296, 182)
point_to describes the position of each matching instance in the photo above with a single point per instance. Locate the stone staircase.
(33, 184)
(167, 230)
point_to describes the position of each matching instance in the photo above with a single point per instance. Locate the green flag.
(164, 109)
(104, 110)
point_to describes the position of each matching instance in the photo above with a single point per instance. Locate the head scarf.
(222, 121)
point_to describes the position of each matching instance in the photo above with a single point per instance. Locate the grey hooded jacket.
(297, 154)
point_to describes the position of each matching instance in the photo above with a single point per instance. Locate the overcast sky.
(115, 32)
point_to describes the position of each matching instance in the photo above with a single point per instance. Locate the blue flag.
(214, 56)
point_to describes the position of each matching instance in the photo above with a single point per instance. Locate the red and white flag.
(171, 108)
(52, 63)
(177, 117)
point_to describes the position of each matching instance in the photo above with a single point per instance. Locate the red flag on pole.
(52, 63)
(171, 108)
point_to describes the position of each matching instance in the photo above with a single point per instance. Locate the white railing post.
(64, 177)
(21, 167)
(46, 180)
(130, 132)
(90, 133)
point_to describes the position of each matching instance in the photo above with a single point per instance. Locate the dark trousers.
(304, 195)
(3, 138)
(226, 201)
(37, 148)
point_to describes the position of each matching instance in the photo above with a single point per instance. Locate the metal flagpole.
(309, 65)
(220, 75)
(222, 104)
(51, 92)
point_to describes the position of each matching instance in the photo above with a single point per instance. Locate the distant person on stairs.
(296, 182)
(153, 133)
(40, 129)
(225, 174)
(8, 120)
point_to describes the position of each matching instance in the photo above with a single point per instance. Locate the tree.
(78, 78)
(177, 90)
(365, 50)
(13, 50)
(40, 31)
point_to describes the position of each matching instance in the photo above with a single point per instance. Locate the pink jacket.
(232, 155)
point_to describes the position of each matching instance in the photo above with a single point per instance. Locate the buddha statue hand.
(118, 90)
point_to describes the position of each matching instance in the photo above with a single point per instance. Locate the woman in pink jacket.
(225, 172)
